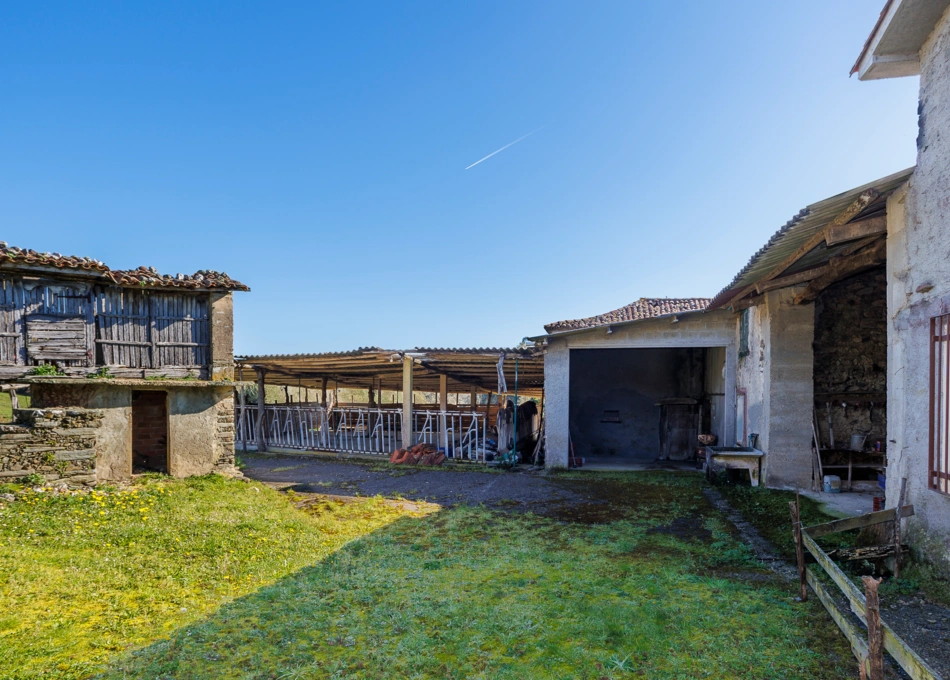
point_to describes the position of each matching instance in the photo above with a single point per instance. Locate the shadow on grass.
(470, 592)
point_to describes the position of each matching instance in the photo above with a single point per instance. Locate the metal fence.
(361, 430)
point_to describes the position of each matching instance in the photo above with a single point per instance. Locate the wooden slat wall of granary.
(79, 326)
(122, 323)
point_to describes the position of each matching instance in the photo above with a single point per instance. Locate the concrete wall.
(715, 388)
(918, 269)
(779, 382)
(629, 381)
(714, 329)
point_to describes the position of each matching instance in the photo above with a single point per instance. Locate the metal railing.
(361, 430)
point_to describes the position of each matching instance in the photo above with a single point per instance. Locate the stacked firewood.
(420, 454)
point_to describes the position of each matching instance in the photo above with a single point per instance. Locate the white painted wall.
(918, 254)
(713, 329)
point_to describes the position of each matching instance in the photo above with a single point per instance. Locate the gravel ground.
(444, 486)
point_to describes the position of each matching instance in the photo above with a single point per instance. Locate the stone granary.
(126, 369)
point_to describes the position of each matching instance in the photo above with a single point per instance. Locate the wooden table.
(734, 460)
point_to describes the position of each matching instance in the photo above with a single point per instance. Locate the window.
(940, 404)
(611, 417)
(744, 333)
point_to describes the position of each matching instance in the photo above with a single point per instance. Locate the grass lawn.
(6, 407)
(211, 578)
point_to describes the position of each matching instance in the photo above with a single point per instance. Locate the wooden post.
(286, 394)
(443, 407)
(875, 632)
(14, 402)
(371, 403)
(897, 531)
(243, 420)
(407, 402)
(799, 548)
(261, 414)
(474, 401)
(323, 392)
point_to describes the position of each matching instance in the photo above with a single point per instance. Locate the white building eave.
(893, 48)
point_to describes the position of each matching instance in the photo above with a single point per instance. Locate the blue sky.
(317, 151)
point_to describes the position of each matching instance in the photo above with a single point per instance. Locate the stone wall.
(224, 434)
(58, 444)
(851, 356)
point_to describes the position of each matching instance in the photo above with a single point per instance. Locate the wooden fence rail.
(909, 660)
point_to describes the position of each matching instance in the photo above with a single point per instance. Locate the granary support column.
(222, 336)
(323, 392)
(406, 402)
(474, 400)
(261, 391)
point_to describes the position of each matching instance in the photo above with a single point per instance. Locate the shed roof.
(644, 308)
(789, 246)
(148, 277)
(465, 368)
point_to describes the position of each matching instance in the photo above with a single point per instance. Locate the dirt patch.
(686, 528)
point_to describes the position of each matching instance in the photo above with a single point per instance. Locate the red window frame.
(939, 476)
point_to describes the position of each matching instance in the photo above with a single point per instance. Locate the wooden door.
(678, 431)
(59, 323)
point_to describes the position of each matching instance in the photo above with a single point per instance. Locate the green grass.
(87, 577)
(767, 510)
(6, 409)
(468, 592)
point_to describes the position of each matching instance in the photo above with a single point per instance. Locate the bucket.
(857, 441)
(832, 484)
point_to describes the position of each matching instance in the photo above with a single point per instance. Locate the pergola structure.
(439, 370)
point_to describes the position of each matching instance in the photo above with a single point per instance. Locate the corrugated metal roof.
(803, 227)
(149, 277)
(465, 367)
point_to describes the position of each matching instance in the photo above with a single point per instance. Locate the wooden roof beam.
(845, 216)
(852, 231)
(841, 268)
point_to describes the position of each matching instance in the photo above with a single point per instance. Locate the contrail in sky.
(504, 147)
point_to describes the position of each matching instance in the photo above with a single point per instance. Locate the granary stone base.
(57, 444)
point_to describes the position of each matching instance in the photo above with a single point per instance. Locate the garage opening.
(641, 405)
(150, 431)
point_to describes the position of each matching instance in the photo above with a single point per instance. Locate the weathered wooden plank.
(858, 522)
(856, 230)
(855, 636)
(909, 660)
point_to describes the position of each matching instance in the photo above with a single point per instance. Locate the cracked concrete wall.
(918, 269)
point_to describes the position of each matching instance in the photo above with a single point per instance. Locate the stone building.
(127, 369)
(838, 327)
(913, 39)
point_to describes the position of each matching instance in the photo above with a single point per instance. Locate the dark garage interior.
(640, 405)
